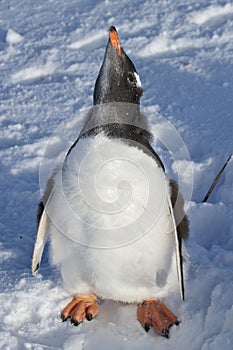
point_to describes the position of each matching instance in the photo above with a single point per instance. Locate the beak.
(114, 40)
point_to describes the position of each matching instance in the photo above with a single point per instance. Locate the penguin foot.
(152, 313)
(81, 307)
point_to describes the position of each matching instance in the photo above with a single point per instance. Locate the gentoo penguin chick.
(116, 221)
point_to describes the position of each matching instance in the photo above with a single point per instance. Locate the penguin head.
(118, 80)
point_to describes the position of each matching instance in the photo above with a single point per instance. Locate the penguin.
(116, 221)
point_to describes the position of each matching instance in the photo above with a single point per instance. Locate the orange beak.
(113, 37)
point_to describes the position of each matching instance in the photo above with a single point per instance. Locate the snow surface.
(50, 54)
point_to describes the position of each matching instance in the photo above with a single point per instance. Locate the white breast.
(112, 234)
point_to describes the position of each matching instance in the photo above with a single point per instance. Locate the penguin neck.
(116, 112)
(122, 121)
(114, 115)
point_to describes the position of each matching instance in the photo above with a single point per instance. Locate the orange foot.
(81, 307)
(152, 313)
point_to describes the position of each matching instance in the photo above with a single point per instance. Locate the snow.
(90, 39)
(34, 72)
(50, 54)
(213, 13)
(12, 37)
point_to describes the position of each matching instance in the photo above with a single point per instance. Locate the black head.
(118, 80)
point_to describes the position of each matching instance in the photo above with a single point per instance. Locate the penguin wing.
(41, 238)
(179, 259)
(43, 223)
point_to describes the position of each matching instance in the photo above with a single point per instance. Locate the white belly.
(112, 234)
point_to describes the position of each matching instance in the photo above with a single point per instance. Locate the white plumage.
(112, 232)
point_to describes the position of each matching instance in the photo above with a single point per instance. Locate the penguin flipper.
(41, 238)
(179, 258)
(43, 223)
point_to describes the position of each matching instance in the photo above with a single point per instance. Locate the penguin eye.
(131, 77)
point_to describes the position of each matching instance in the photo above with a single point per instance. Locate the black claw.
(147, 326)
(165, 332)
(75, 322)
(63, 318)
(89, 317)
